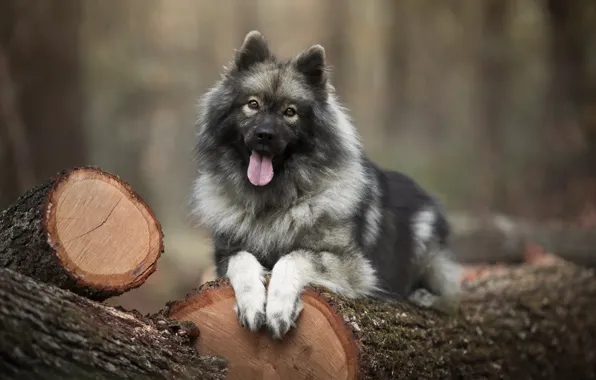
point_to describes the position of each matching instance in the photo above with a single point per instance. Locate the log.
(84, 230)
(49, 333)
(503, 239)
(522, 322)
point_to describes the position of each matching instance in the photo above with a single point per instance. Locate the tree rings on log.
(86, 231)
(101, 231)
(321, 346)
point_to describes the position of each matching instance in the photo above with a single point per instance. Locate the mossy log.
(49, 333)
(523, 322)
(84, 230)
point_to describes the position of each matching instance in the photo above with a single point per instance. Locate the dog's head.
(273, 116)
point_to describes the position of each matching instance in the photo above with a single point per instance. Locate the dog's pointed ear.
(312, 63)
(254, 49)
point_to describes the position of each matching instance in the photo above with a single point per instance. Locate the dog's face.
(273, 118)
(276, 104)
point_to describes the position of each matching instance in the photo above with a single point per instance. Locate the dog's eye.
(290, 112)
(253, 104)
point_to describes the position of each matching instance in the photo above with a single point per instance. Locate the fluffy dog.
(284, 187)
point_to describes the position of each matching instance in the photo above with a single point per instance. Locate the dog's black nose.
(265, 134)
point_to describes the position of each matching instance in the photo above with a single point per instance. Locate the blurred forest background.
(491, 104)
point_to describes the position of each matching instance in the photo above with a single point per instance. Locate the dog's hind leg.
(440, 284)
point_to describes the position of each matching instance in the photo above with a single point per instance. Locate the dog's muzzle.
(265, 140)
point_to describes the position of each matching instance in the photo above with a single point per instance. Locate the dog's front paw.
(250, 306)
(283, 308)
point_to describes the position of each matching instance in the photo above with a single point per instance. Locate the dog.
(284, 188)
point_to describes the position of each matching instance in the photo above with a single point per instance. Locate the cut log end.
(321, 346)
(102, 232)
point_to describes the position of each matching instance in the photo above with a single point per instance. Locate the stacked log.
(82, 237)
(84, 230)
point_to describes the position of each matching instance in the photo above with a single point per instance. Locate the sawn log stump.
(323, 344)
(85, 230)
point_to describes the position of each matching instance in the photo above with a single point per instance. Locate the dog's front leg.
(350, 275)
(246, 275)
(289, 276)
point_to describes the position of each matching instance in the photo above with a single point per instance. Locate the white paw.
(445, 304)
(250, 306)
(423, 298)
(246, 276)
(284, 305)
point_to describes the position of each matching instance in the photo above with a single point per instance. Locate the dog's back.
(411, 251)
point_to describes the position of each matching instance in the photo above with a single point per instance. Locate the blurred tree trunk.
(335, 41)
(493, 82)
(397, 50)
(40, 44)
(571, 173)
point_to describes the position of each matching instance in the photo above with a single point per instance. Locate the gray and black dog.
(284, 188)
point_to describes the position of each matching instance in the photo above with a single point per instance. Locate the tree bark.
(85, 230)
(523, 322)
(49, 333)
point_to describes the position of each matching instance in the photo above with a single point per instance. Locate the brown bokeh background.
(490, 104)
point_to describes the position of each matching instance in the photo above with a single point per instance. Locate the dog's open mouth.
(260, 169)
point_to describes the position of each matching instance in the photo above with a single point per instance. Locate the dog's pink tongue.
(260, 169)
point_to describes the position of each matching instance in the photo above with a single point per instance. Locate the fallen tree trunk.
(85, 230)
(48, 333)
(504, 239)
(522, 322)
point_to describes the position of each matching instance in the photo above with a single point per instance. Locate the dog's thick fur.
(329, 216)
